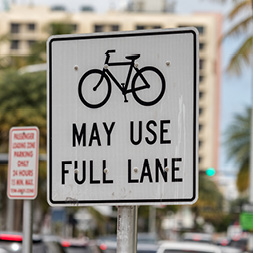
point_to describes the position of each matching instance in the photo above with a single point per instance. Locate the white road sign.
(123, 118)
(23, 162)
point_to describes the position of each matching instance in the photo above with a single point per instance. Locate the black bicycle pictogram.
(95, 87)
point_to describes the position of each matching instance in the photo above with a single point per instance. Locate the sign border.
(56, 38)
(36, 169)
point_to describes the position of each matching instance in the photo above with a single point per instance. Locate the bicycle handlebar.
(110, 51)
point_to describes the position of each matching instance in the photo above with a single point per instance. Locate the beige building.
(28, 24)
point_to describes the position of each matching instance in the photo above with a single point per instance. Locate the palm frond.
(242, 55)
(237, 138)
(238, 28)
(240, 6)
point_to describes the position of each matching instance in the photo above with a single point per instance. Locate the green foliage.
(37, 53)
(22, 103)
(237, 141)
(242, 54)
(210, 201)
(60, 28)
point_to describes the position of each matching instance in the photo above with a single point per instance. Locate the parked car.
(239, 242)
(12, 242)
(198, 237)
(228, 249)
(82, 245)
(108, 244)
(53, 244)
(188, 247)
(146, 244)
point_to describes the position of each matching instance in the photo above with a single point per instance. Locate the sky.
(235, 91)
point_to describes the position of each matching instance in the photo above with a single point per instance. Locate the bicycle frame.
(108, 76)
(123, 86)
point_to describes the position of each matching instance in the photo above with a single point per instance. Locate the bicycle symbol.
(147, 85)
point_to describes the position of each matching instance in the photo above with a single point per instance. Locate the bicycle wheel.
(143, 94)
(94, 88)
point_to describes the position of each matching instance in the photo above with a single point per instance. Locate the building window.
(201, 63)
(202, 46)
(106, 28)
(31, 27)
(74, 27)
(15, 44)
(201, 29)
(114, 28)
(142, 27)
(15, 28)
(156, 27)
(200, 127)
(200, 143)
(201, 110)
(98, 28)
(30, 43)
(201, 78)
(201, 94)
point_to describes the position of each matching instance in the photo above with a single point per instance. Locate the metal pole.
(251, 144)
(152, 219)
(27, 226)
(127, 229)
(10, 215)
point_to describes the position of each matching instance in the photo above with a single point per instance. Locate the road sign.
(123, 118)
(246, 221)
(23, 162)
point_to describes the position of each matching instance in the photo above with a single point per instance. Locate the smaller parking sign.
(23, 162)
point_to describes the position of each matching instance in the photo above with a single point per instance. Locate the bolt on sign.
(123, 118)
(23, 162)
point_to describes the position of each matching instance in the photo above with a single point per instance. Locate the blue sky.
(235, 91)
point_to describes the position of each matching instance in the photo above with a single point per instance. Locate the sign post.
(23, 174)
(127, 229)
(123, 118)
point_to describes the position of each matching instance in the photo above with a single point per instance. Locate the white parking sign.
(23, 162)
(123, 118)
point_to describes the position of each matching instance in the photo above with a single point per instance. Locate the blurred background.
(225, 102)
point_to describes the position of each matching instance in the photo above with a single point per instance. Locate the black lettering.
(159, 167)
(94, 135)
(77, 136)
(132, 133)
(174, 169)
(108, 131)
(93, 181)
(130, 180)
(146, 172)
(84, 173)
(152, 141)
(64, 170)
(164, 130)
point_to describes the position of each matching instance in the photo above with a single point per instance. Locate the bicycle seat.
(132, 57)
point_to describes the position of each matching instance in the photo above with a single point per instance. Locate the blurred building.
(27, 24)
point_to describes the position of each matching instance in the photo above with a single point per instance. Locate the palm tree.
(238, 147)
(242, 9)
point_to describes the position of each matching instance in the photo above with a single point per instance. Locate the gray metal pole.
(27, 226)
(10, 214)
(127, 229)
(250, 246)
(152, 219)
